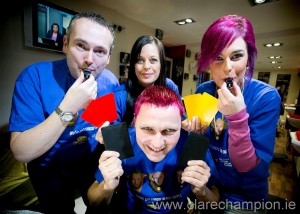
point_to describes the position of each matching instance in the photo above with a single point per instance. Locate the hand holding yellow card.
(202, 105)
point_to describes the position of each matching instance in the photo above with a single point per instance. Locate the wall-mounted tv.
(40, 17)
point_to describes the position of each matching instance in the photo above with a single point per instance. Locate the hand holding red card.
(100, 110)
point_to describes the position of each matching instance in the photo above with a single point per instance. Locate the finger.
(199, 163)
(197, 123)
(186, 125)
(99, 137)
(237, 89)
(95, 96)
(106, 123)
(108, 154)
(203, 128)
(78, 81)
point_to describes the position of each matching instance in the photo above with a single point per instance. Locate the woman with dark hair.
(56, 36)
(242, 134)
(147, 68)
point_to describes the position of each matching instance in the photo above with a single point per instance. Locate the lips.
(147, 75)
(157, 150)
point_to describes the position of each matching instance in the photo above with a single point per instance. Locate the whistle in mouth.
(229, 83)
(86, 74)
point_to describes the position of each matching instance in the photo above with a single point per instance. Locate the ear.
(108, 59)
(65, 44)
(133, 121)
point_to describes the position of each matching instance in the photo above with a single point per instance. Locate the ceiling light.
(184, 21)
(189, 20)
(276, 44)
(275, 57)
(260, 2)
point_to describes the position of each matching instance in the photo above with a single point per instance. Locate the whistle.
(86, 74)
(229, 83)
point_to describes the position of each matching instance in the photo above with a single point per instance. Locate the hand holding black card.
(116, 138)
(194, 149)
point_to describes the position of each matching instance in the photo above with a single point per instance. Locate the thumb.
(237, 89)
(78, 81)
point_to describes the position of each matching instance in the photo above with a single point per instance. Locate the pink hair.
(159, 96)
(221, 34)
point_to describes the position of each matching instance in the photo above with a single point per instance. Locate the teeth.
(157, 150)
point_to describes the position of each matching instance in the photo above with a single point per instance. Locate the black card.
(116, 138)
(194, 149)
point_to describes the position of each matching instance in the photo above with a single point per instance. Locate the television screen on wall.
(40, 19)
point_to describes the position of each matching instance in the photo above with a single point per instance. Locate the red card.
(100, 110)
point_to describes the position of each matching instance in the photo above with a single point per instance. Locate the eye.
(237, 56)
(219, 58)
(140, 60)
(100, 52)
(153, 60)
(168, 131)
(148, 130)
(81, 46)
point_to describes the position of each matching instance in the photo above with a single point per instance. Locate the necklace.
(217, 128)
(218, 125)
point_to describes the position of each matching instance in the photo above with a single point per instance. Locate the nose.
(88, 57)
(159, 141)
(227, 66)
(147, 64)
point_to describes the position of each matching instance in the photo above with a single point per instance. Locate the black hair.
(133, 88)
(53, 25)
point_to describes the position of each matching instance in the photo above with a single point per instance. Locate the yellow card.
(202, 105)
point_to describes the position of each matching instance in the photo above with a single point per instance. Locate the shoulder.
(170, 83)
(107, 82)
(261, 97)
(120, 89)
(260, 89)
(208, 86)
(120, 94)
(107, 75)
(40, 69)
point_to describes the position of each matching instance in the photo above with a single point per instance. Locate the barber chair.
(295, 140)
(292, 124)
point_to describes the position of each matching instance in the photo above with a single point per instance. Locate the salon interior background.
(278, 21)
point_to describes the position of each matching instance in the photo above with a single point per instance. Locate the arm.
(34, 142)
(98, 195)
(240, 146)
(110, 167)
(239, 141)
(245, 149)
(197, 174)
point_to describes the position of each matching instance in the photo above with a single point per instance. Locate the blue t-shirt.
(120, 94)
(151, 197)
(263, 106)
(39, 89)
